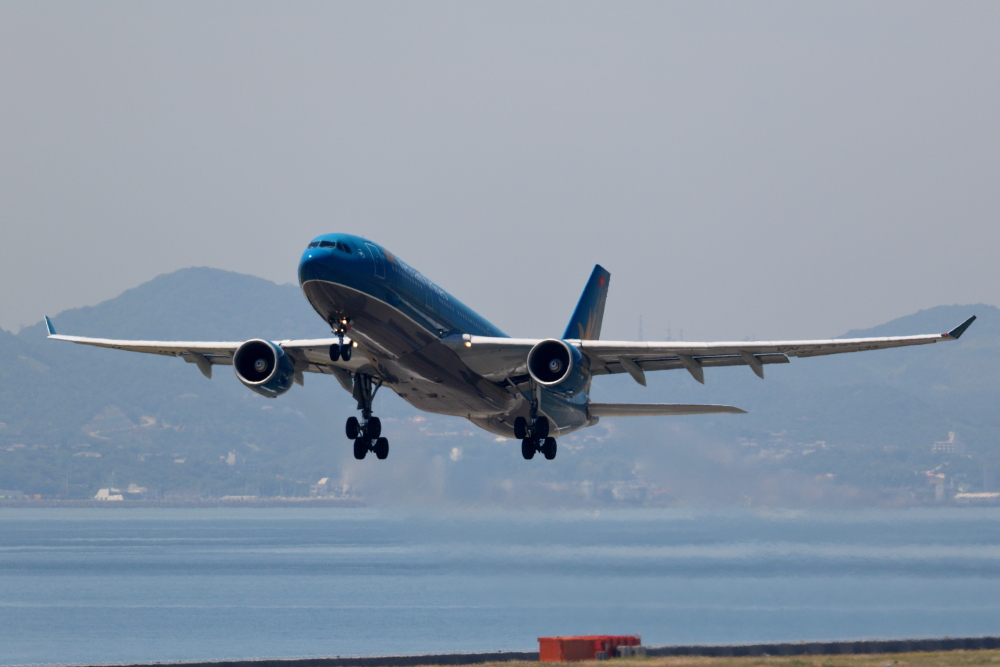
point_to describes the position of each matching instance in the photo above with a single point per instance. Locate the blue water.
(82, 586)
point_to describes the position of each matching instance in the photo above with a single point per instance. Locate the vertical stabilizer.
(586, 321)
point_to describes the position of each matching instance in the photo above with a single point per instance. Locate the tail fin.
(586, 321)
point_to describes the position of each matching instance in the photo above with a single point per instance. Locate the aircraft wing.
(502, 358)
(309, 356)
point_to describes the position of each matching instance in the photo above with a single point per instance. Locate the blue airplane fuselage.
(399, 318)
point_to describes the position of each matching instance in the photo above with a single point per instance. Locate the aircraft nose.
(313, 263)
(328, 263)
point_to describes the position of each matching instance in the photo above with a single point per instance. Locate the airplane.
(393, 327)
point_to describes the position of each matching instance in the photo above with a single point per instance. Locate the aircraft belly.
(434, 379)
(424, 372)
(380, 328)
(563, 419)
(409, 358)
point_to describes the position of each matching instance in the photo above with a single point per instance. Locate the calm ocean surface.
(82, 586)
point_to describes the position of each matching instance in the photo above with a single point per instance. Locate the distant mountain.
(855, 428)
(53, 394)
(868, 420)
(199, 303)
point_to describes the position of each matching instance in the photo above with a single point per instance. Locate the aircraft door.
(379, 261)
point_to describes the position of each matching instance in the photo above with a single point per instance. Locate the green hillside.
(845, 429)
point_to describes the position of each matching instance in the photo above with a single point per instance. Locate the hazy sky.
(766, 169)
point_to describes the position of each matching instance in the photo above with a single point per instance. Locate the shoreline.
(770, 651)
(201, 502)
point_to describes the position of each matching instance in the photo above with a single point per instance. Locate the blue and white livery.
(395, 328)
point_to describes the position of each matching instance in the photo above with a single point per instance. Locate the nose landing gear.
(341, 350)
(366, 433)
(534, 437)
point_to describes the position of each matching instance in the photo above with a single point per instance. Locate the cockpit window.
(343, 247)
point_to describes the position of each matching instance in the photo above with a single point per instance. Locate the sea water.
(116, 585)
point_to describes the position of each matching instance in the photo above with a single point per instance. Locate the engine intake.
(264, 367)
(549, 362)
(559, 366)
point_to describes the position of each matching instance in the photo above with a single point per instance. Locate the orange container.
(565, 649)
(574, 649)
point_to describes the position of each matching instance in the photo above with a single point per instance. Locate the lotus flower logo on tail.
(589, 314)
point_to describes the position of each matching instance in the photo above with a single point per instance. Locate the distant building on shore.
(109, 494)
(949, 446)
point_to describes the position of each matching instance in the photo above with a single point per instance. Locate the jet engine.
(264, 367)
(559, 367)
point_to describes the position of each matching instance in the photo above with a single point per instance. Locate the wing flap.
(673, 363)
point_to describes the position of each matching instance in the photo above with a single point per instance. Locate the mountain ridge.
(875, 413)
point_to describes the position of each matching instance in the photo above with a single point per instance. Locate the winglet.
(957, 332)
(48, 325)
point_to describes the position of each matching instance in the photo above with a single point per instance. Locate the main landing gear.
(534, 437)
(366, 433)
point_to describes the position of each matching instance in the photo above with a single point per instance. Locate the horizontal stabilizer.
(655, 409)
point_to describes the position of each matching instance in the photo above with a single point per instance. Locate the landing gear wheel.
(341, 351)
(528, 448)
(367, 432)
(360, 448)
(520, 428)
(353, 428)
(549, 448)
(540, 428)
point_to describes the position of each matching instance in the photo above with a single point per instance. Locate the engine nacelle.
(559, 367)
(264, 367)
